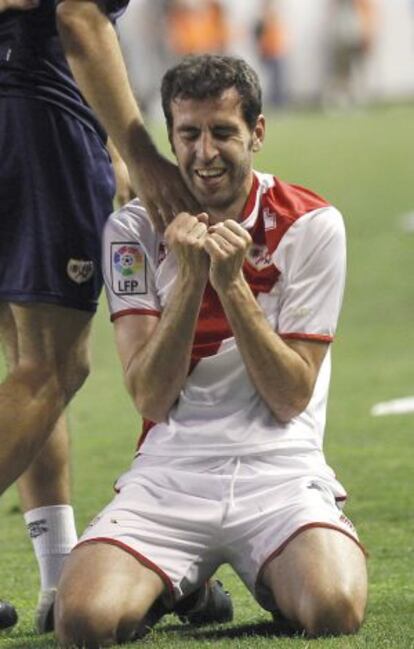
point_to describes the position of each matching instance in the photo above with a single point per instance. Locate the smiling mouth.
(206, 174)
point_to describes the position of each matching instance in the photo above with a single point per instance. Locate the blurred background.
(333, 54)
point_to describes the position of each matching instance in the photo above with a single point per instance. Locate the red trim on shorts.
(119, 314)
(305, 527)
(318, 337)
(140, 557)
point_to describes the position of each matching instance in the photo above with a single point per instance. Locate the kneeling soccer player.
(223, 327)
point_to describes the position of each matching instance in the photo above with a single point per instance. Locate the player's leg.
(46, 482)
(34, 335)
(44, 487)
(8, 614)
(52, 364)
(319, 582)
(103, 596)
(45, 497)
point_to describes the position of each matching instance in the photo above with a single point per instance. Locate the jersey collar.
(250, 210)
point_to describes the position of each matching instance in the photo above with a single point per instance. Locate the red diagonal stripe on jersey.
(212, 327)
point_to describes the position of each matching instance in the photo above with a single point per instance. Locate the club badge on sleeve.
(128, 269)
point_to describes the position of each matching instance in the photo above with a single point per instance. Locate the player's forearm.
(280, 375)
(20, 5)
(157, 373)
(92, 49)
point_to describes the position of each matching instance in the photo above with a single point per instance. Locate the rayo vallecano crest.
(80, 270)
(259, 257)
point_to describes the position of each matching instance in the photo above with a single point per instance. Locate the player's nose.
(206, 147)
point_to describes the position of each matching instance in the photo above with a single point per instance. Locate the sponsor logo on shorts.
(129, 269)
(80, 270)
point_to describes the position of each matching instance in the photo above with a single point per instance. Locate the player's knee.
(33, 376)
(60, 378)
(74, 374)
(94, 623)
(86, 624)
(333, 614)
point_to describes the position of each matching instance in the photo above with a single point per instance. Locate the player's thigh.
(101, 581)
(319, 565)
(53, 341)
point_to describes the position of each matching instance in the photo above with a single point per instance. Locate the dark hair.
(208, 75)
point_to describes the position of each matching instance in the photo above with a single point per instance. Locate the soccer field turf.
(364, 163)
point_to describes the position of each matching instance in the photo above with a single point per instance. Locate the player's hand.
(185, 236)
(21, 5)
(161, 188)
(226, 244)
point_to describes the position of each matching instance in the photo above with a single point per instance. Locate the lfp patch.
(129, 269)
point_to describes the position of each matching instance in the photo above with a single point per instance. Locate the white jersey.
(296, 270)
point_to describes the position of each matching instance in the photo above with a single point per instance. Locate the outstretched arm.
(92, 49)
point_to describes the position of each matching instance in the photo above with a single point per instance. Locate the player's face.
(214, 148)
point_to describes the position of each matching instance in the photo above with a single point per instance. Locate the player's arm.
(21, 5)
(123, 190)
(94, 55)
(283, 371)
(156, 353)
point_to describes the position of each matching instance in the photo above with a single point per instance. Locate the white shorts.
(184, 517)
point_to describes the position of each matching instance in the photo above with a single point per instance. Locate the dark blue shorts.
(56, 192)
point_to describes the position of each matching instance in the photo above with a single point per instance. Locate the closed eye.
(189, 134)
(223, 133)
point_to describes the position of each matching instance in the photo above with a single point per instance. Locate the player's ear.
(258, 134)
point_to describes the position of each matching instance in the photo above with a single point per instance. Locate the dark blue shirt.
(32, 62)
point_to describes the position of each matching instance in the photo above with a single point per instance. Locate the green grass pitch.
(364, 163)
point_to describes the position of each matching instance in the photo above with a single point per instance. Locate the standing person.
(223, 328)
(193, 28)
(353, 26)
(57, 189)
(272, 47)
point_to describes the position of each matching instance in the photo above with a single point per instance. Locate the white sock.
(53, 534)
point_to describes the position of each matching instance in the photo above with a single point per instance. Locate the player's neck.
(233, 211)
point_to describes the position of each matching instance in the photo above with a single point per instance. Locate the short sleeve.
(311, 258)
(130, 248)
